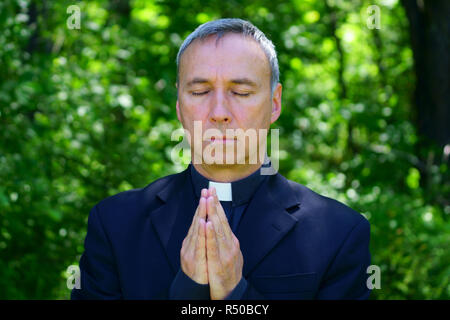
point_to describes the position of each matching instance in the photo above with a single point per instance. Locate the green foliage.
(85, 114)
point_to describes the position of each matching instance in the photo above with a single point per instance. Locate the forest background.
(87, 111)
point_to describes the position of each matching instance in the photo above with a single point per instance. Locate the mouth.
(223, 139)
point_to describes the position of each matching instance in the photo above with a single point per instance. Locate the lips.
(223, 139)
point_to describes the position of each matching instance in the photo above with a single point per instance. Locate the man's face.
(226, 86)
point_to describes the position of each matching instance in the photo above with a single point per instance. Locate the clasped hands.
(210, 253)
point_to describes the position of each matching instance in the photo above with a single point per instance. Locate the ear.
(276, 103)
(178, 112)
(178, 105)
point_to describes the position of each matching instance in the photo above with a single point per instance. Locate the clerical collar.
(239, 192)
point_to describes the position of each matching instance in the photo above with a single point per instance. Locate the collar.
(241, 190)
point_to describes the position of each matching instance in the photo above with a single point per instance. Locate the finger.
(212, 213)
(201, 211)
(205, 194)
(222, 241)
(212, 251)
(222, 216)
(202, 205)
(201, 268)
(200, 250)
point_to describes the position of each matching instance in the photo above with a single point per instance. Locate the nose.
(219, 110)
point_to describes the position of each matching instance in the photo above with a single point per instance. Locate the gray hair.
(223, 26)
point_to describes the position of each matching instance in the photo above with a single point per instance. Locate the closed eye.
(205, 92)
(242, 94)
(199, 93)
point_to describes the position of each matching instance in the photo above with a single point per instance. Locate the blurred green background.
(86, 113)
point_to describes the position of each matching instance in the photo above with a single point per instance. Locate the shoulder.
(135, 202)
(326, 213)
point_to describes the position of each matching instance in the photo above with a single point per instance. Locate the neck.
(226, 173)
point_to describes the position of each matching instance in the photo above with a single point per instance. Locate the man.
(222, 229)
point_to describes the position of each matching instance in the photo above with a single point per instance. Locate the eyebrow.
(197, 80)
(246, 81)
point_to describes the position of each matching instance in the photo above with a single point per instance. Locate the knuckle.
(199, 251)
(213, 252)
(187, 256)
(237, 252)
(228, 261)
(236, 242)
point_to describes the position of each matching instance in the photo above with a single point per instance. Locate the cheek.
(193, 111)
(254, 116)
(193, 117)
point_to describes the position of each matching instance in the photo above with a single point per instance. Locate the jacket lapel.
(173, 219)
(266, 220)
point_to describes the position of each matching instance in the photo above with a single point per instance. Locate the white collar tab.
(223, 190)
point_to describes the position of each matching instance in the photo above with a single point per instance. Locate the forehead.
(233, 55)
